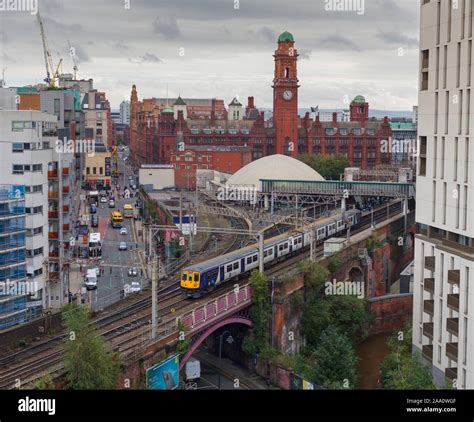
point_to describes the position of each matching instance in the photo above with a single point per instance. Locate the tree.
(314, 278)
(400, 369)
(88, 362)
(336, 361)
(46, 382)
(334, 264)
(257, 342)
(328, 166)
(183, 342)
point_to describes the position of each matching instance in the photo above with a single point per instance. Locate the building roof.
(279, 167)
(401, 126)
(359, 99)
(167, 110)
(235, 102)
(179, 101)
(286, 36)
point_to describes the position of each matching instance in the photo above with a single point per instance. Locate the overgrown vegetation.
(183, 342)
(330, 166)
(260, 313)
(89, 364)
(401, 370)
(334, 264)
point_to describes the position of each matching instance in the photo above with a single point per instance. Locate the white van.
(91, 279)
(192, 370)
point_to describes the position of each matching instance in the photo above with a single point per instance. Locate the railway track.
(134, 319)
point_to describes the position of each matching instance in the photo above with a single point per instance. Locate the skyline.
(170, 55)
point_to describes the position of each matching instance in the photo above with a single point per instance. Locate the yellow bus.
(116, 219)
(128, 211)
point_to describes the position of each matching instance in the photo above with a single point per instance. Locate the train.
(203, 277)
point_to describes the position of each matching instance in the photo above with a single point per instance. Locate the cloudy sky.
(222, 48)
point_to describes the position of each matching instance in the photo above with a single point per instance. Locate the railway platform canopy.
(275, 187)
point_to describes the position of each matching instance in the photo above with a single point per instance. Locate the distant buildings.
(164, 131)
(125, 113)
(443, 301)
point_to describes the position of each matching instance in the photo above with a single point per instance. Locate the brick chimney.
(250, 103)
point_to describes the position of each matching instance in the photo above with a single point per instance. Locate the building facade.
(30, 156)
(125, 113)
(13, 276)
(443, 302)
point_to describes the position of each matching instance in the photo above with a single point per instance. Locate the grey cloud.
(304, 54)
(151, 58)
(267, 34)
(337, 42)
(397, 38)
(167, 27)
(53, 26)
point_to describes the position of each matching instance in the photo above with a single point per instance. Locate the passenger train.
(204, 276)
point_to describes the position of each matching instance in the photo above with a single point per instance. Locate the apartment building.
(29, 156)
(443, 302)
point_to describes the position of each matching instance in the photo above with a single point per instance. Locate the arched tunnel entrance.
(356, 274)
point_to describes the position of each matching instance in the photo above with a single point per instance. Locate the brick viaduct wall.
(390, 312)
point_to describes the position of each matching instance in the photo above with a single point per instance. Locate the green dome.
(359, 99)
(286, 36)
(167, 110)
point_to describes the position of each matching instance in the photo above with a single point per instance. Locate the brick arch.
(231, 320)
(357, 267)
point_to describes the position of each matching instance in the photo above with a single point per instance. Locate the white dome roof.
(277, 167)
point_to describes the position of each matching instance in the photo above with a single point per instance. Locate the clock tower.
(285, 96)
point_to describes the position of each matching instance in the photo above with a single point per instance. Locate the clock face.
(287, 95)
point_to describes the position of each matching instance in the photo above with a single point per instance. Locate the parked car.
(124, 231)
(122, 246)
(93, 208)
(132, 272)
(94, 220)
(111, 203)
(91, 279)
(103, 199)
(135, 287)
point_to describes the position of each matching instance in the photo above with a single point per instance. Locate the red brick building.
(159, 131)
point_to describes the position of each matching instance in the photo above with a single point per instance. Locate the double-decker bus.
(116, 218)
(128, 211)
(95, 245)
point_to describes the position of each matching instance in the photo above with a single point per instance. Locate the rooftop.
(286, 36)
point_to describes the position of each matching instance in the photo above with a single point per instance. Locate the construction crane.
(72, 52)
(52, 73)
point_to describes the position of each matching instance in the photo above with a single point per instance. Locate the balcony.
(53, 214)
(429, 285)
(430, 263)
(452, 326)
(65, 171)
(66, 227)
(65, 189)
(52, 174)
(452, 351)
(428, 307)
(52, 194)
(453, 302)
(53, 235)
(53, 275)
(451, 374)
(454, 276)
(66, 208)
(428, 330)
(427, 352)
(54, 253)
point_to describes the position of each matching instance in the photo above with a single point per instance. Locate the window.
(94, 170)
(228, 268)
(101, 170)
(236, 265)
(17, 147)
(57, 106)
(287, 72)
(37, 167)
(17, 169)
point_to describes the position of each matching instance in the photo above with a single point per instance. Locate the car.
(132, 272)
(103, 199)
(95, 220)
(135, 287)
(93, 209)
(111, 203)
(122, 246)
(123, 230)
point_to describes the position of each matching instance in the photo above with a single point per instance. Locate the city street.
(114, 280)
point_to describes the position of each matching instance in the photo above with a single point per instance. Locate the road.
(115, 264)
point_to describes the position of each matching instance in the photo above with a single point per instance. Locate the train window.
(196, 277)
(255, 258)
(184, 276)
(321, 231)
(228, 268)
(285, 245)
(236, 265)
(249, 260)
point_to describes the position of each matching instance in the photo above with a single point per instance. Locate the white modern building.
(443, 302)
(29, 157)
(125, 112)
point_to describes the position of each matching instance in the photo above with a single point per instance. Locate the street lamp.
(229, 340)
